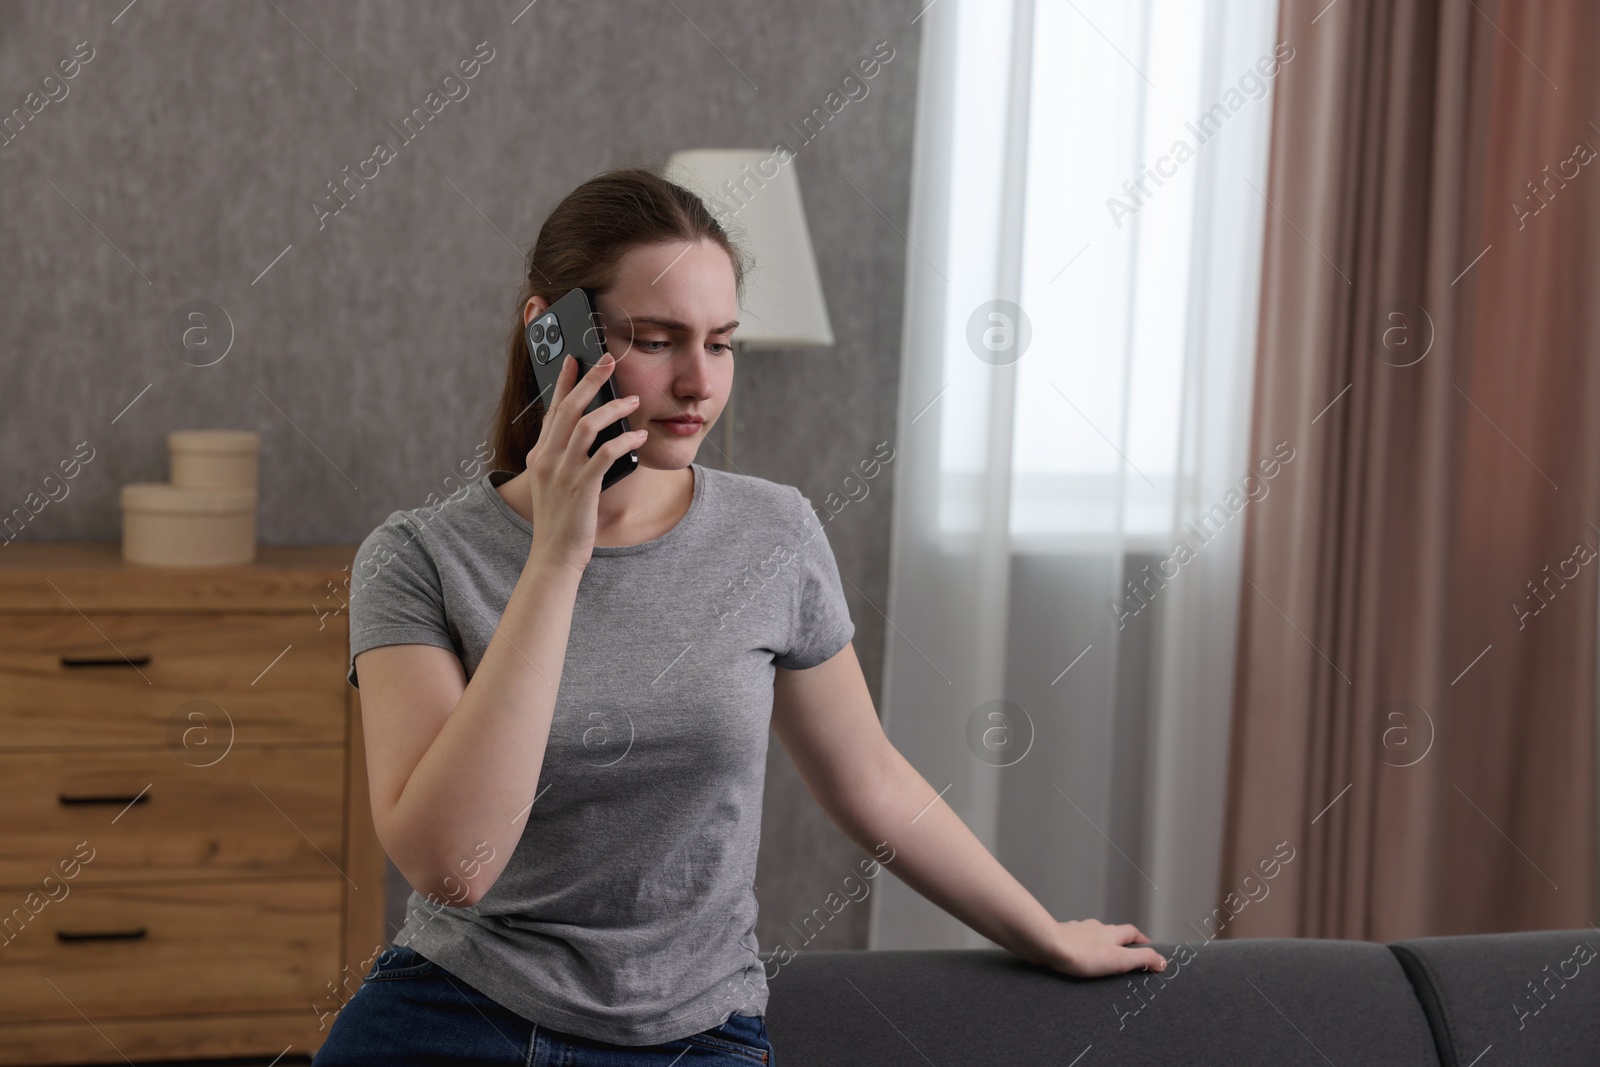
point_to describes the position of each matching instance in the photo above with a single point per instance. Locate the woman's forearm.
(469, 796)
(936, 854)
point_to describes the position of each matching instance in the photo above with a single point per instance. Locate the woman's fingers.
(589, 426)
(564, 384)
(1095, 949)
(1149, 957)
(610, 412)
(611, 451)
(568, 407)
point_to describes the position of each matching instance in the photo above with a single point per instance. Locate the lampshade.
(754, 193)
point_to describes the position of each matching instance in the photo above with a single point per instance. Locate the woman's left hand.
(1089, 948)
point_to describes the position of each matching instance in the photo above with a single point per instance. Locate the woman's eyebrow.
(674, 324)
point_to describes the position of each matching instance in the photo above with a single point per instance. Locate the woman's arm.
(825, 719)
(453, 766)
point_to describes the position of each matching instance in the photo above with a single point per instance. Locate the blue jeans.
(411, 1012)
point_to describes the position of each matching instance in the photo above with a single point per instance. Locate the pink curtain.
(1416, 697)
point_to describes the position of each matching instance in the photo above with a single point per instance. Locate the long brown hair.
(579, 246)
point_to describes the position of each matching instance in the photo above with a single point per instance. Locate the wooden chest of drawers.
(187, 861)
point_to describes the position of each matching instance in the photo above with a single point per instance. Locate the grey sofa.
(1485, 1000)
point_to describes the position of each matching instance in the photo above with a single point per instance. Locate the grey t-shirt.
(627, 910)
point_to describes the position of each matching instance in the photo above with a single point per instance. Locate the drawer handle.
(118, 798)
(105, 661)
(108, 935)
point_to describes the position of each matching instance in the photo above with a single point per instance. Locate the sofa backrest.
(1264, 1000)
(1527, 997)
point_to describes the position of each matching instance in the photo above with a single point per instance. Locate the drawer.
(178, 680)
(116, 952)
(265, 812)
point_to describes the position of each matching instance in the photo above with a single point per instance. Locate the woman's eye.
(718, 347)
(646, 345)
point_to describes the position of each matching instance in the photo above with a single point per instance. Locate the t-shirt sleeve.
(821, 618)
(396, 597)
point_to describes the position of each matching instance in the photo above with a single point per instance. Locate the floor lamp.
(755, 194)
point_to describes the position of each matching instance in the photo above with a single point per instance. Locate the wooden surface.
(91, 576)
(101, 678)
(261, 810)
(192, 731)
(205, 949)
(364, 861)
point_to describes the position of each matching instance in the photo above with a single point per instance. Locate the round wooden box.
(214, 459)
(170, 526)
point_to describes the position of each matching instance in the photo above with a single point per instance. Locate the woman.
(568, 692)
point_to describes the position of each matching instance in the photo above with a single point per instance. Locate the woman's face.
(669, 323)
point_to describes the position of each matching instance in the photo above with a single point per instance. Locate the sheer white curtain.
(1076, 379)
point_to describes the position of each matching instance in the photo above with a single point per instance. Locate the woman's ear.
(535, 307)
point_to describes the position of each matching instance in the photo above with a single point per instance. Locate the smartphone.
(571, 327)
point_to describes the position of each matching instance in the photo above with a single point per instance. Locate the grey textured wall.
(182, 164)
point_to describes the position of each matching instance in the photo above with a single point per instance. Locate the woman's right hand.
(564, 480)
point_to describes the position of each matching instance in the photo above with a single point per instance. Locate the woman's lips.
(681, 427)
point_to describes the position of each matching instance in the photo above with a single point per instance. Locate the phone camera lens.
(554, 333)
(542, 354)
(536, 332)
